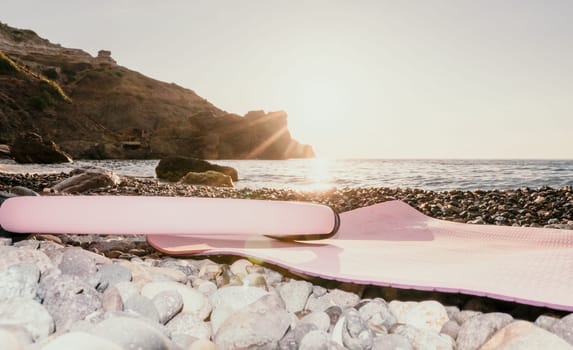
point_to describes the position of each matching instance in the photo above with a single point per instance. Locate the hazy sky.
(379, 79)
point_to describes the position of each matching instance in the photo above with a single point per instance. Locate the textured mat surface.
(392, 244)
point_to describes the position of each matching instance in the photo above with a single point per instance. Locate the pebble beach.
(99, 292)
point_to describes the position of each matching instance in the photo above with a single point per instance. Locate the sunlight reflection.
(319, 177)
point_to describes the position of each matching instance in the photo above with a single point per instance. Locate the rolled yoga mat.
(166, 215)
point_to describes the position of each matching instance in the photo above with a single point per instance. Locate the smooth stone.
(314, 340)
(178, 264)
(451, 328)
(230, 299)
(208, 288)
(131, 333)
(168, 304)
(475, 331)
(9, 341)
(23, 336)
(334, 297)
(427, 314)
(11, 256)
(318, 318)
(184, 341)
(19, 281)
(262, 324)
(69, 299)
(272, 277)
(545, 322)
(5, 241)
(193, 300)
(295, 294)
(76, 262)
(452, 310)
(391, 342)
(29, 314)
(525, 335)
(86, 178)
(462, 316)
(143, 306)
(292, 339)
(564, 328)
(163, 274)
(111, 300)
(377, 314)
(424, 338)
(23, 191)
(189, 324)
(112, 274)
(334, 313)
(239, 267)
(202, 344)
(355, 332)
(318, 291)
(80, 340)
(126, 290)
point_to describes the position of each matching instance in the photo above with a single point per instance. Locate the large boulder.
(207, 178)
(174, 168)
(32, 148)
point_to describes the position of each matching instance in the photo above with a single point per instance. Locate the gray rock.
(143, 306)
(111, 300)
(424, 338)
(314, 340)
(452, 310)
(230, 299)
(451, 328)
(29, 314)
(262, 324)
(168, 303)
(391, 342)
(319, 291)
(126, 290)
(292, 339)
(475, 331)
(525, 335)
(20, 280)
(193, 300)
(131, 333)
(295, 294)
(5, 241)
(85, 179)
(465, 315)
(318, 318)
(80, 340)
(355, 332)
(189, 324)
(377, 315)
(69, 299)
(23, 191)
(208, 288)
(334, 297)
(76, 262)
(11, 256)
(334, 313)
(546, 321)
(564, 328)
(113, 274)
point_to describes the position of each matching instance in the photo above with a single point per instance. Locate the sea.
(323, 174)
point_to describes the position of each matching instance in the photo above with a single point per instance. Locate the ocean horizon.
(322, 174)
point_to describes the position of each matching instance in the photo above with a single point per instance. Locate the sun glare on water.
(319, 177)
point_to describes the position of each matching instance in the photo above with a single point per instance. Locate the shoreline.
(541, 207)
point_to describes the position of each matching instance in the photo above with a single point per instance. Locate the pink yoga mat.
(392, 244)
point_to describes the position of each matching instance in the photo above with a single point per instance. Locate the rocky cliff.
(94, 108)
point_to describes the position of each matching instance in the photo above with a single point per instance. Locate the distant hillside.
(95, 108)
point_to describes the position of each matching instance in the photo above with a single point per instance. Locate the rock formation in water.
(95, 109)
